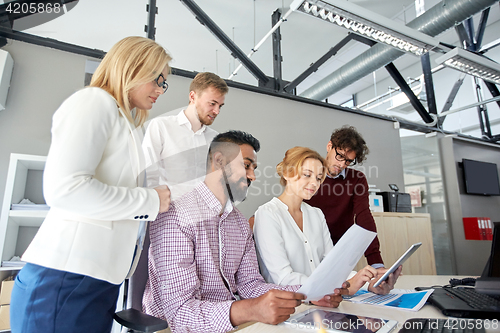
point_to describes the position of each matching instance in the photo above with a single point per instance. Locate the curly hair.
(348, 138)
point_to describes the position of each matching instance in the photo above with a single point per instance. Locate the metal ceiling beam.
(482, 112)
(152, 11)
(469, 27)
(464, 36)
(451, 98)
(490, 46)
(400, 81)
(473, 43)
(277, 58)
(481, 28)
(472, 40)
(495, 138)
(236, 52)
(429, 84)
(493, 90)
(333, 51)
(52, 43)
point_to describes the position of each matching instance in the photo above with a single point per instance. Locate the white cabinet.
(16, 226)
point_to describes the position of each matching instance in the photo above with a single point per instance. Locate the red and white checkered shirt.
(199, 261)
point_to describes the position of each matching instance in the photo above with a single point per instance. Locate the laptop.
(483, 301)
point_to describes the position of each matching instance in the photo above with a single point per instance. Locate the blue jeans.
(46, 300)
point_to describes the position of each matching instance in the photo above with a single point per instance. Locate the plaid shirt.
(199, 261)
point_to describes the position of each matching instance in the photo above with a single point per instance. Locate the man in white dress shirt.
(176, 146)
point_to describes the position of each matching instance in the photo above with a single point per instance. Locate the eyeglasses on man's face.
(341, 157)
(162, 82)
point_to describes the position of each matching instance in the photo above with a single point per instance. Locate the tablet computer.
(398, 263)
(331, 321)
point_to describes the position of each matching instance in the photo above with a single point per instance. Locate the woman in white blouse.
(292, 237)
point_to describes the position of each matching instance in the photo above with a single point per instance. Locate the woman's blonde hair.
(293, 161)
(131, 62)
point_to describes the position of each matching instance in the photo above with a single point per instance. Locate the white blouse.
(287, 255)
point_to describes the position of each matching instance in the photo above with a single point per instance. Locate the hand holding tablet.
(398, 263)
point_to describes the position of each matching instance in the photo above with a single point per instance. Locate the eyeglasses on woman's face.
(162, 82)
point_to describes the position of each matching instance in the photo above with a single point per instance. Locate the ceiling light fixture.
(472, 64)
(368, 24)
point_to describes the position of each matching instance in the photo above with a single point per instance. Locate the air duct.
(436, 20)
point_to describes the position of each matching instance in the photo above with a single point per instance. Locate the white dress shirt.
(286, 254)
(175, 155)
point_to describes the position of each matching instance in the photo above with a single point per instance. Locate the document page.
(338, 263)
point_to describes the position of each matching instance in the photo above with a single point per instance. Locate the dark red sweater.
(345, 201)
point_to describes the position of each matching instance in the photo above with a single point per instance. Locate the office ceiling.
(99, 24)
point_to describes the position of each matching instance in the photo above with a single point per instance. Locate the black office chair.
(133, 318)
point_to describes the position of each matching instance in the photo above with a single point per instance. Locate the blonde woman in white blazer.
(93, 183)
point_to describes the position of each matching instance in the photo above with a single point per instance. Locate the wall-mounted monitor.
(481, 177)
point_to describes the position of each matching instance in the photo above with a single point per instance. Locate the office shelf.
(13, 223)
(28, 218)
(8, 269)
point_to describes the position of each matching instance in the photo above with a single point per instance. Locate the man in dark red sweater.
(343, 196)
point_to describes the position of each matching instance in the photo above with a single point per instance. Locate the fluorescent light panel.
(471, 64)
(368, 24)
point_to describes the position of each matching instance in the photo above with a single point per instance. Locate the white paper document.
(338, 263)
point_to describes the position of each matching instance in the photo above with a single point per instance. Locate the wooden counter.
(397, 232)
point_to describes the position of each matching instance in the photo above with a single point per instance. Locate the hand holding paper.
(338, 263)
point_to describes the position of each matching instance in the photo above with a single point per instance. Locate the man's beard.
(332, 172)
(206, 122)
(237, 190)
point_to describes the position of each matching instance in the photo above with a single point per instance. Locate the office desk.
(404, 282)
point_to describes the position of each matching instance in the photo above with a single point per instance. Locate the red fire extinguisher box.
(478, 228)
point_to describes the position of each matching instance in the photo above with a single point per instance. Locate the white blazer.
(91, 181)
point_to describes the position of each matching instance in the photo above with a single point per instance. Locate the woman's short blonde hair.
(131, 62)
(293, 161)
